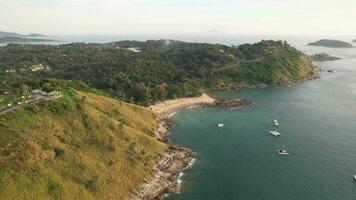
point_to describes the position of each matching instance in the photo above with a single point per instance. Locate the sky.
(111, 17)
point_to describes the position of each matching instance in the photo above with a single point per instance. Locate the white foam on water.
(180, 176)
(171, 115)
(190, 107)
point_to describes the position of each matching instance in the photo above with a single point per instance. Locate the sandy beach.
(165, 108)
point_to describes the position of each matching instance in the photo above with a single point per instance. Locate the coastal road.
(14, 108)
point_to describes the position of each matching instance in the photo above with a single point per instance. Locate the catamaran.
(275, 132)
(275, 125)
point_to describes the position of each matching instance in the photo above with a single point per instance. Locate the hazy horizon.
(170, 17)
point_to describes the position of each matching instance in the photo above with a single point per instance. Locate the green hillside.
(144, 72)
(81, 146)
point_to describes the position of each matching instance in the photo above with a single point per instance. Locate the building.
(134, 49)
(36, 68)
(10, 71)
(54, 94)
(38, 92)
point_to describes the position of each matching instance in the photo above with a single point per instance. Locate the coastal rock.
(235, 103)
(166, 174)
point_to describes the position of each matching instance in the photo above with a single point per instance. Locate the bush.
(58, 151)
(46, 145)
(54, 189)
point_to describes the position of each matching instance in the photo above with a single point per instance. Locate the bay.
(318, 126)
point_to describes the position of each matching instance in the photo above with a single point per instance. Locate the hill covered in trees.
(143, 72)
(84, 145)
(10, 34)
(22, 40)
(331, 43)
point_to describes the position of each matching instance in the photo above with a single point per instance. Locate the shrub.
(46, 145)
(58, 151)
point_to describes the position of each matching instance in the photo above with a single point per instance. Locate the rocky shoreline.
(169, 169)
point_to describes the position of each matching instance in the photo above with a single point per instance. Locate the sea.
(239, 161)
(318, 127)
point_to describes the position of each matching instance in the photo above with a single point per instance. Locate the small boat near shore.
(283, 152)
(221, 125)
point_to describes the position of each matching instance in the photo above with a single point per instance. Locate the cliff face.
(80, 146)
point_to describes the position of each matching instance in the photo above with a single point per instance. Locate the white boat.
(283, 152)
(355, 177)
(275, 123)
(221, 125)
(274, 133)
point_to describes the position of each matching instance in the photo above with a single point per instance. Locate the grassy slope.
(76, 148)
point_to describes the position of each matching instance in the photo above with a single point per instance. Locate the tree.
(140, 93)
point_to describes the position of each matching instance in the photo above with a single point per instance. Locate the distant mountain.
(22, 40)
(36, 35)
(354, 41)
(10, 34)
(331, 43)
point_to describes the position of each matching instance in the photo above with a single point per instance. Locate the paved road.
(16, 107)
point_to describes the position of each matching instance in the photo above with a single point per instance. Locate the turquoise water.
(318, 126)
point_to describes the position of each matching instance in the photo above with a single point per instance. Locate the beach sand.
(165, 108)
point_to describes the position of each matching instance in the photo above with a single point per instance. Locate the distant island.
(331, 43)
(323, 57)
(10, 34)
(354, 41)
(22, 40)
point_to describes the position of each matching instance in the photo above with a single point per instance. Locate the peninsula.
(11, 34)
(155, 70)
(22, 40)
